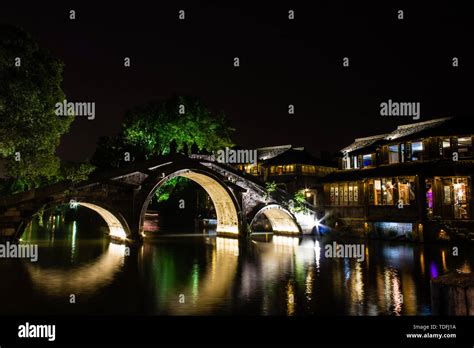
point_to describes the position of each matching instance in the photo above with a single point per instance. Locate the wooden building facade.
(414, 183)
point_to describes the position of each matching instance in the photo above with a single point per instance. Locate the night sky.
(282, 61)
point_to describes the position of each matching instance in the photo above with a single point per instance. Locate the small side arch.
(118, 227)
(281, 219)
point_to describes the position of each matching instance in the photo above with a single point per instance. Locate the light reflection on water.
(206, 275)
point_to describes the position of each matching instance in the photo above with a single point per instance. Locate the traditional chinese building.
(414, 183)
(292, 169)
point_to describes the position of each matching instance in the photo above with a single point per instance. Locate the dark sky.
(282, 62)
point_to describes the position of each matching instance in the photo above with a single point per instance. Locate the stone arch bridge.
(121, 197)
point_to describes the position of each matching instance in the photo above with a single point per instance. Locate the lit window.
(387, 191)
(367, 160)
(404, 192)
(416, 151)
(461, 208)
(465, 147)
(393, 154)
(377, 197)
(355, 162)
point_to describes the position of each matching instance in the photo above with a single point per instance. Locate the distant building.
(415, 179)
(292, 169)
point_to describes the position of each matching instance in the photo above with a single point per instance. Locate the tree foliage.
(158, 128)
(299, 202)
(270, 187)
(154, 126)
(30, 130)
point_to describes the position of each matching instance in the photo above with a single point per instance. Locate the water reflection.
(197, 293)
(85, 279)
(207, 275)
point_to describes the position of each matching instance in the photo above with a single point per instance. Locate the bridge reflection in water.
(206, 275)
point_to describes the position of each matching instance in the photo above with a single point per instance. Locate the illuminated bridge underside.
(280, 219)
(115, 226)
(227, 218)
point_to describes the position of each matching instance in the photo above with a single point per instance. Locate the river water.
(79, 271)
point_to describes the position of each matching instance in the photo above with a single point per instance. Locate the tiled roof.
(361, 143)
(401, 132)
(409, 129)
(298, 156)
(265, 153)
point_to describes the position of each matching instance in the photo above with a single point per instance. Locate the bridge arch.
(117, 224)
(281, 219)
(224, 200)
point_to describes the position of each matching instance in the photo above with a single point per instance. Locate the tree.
(174, 125)
(185, 120)
(299, 202)
(270, 187)
(30, 130)
(76, 172)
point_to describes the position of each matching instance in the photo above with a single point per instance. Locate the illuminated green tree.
(178, 124)
(152, 127)
(269, 188)
(30, 131)
(299, 202)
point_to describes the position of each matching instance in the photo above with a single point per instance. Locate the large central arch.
(225, 203)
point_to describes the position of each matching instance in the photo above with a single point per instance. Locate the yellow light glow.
(228, 245)
(116, 229)
(286, 241)
(227, 218)
(280, 219)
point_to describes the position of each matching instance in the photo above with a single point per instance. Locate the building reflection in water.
(268, 274)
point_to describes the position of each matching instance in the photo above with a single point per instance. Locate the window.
(279, 170)
(367, 160)
(344, 194)
(416, 151)
(377, 192)
(447, 194)
(391, 191)
(306, 169)
(387, 191)
(456, 195)
(347, 161)
(402, 152)
(445, 148)
(465, 147)
(404, 188)
(393, 154)
(429, 197)
(460, 198)
(355, 162)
